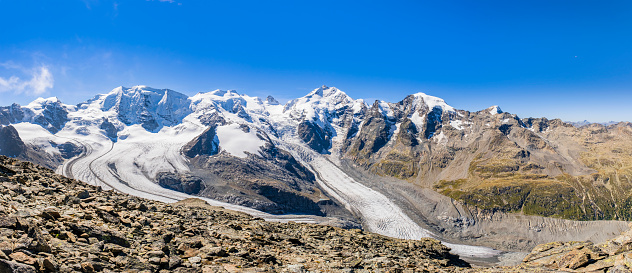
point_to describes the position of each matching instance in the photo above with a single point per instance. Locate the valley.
(489, 184)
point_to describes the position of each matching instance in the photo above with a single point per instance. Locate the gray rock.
(13, 267)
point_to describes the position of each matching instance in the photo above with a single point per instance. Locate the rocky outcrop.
(374, 134)
(271, 100)
(314, 136)
(180, 182)
(13, 146)
(205, 144)
(11, 114)
(10, 142)
(69, 150)
(612, 256)
(53, 116)
(49, 223)
(109, 129)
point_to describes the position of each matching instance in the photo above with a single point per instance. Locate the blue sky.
(559, 59)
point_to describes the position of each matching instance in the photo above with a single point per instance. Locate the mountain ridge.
(221, 145)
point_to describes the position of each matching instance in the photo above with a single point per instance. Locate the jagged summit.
(494, 110)
(39, 102)
(328, 93)
(272, 101)
(325, 91)
(150, 107)
(432, 101)
(318, 103)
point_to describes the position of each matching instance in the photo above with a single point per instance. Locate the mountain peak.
(432, 101)
(494, 110)
(44, 101)
(325, 91)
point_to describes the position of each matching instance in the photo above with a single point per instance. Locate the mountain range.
(409, 169)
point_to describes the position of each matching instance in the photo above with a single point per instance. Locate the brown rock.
(23, 258)
(156, 253)
(7, 221)
(71, 237)
(113, 248)
(10, 266)
(216, 251)
(50, 213)
(49, 264)
(87, 267)
(5, 246)
(574, 259)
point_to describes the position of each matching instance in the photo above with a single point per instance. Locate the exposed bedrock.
(458, 223)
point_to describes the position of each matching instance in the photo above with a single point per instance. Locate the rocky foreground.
(49, 223)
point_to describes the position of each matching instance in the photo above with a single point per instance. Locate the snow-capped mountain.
(325, 157)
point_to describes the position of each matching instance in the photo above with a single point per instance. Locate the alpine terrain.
(488, 184)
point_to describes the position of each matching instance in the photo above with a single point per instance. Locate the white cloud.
(168, 1)
(41, 80)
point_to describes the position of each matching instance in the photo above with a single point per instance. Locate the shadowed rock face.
(272, 180)
(69, 150)
(10, 142)
(183, 183)
(12, 145)
(53, 117)
(204, 144)
(11, 114)
(371, 138)
(110, 129)
(314, 136)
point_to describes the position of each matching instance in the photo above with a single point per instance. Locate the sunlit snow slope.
(129, 135)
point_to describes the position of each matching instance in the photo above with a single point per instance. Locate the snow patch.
(37, 136)
(418, 121)
(441, 138)
(459, 124)
(432, 102)
(237, 142)
(495, 110)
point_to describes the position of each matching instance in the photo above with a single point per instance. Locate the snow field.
(130, 164)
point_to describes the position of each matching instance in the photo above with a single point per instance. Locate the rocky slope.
(488, 159)
(497, 161)
(418, 166)
(12, 145)
(50, 223)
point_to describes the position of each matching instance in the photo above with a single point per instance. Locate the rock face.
(49, 223)
(205, 144)
(314, 136)
(489, 160)
(182, 183)
(151, 108)
(69, 150)
(12, 145)
(612, 256)
(272, 181)
(48, 113)
(11, 114)
(109, 129)
(10, 142)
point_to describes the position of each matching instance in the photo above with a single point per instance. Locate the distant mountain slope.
(258, 153)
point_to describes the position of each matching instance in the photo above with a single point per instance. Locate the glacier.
(152, 125)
